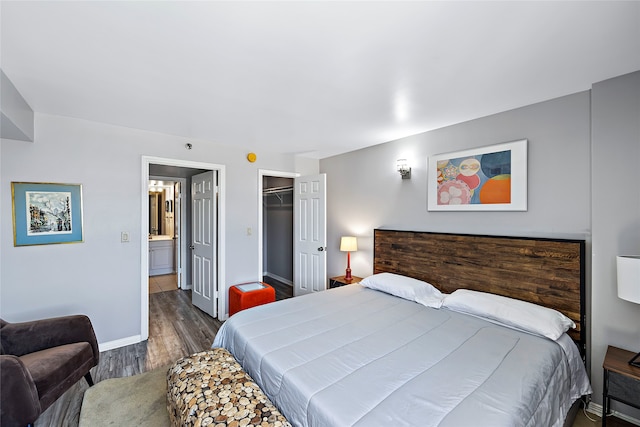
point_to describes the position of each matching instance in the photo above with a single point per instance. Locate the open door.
(309, 234)
(204, 190)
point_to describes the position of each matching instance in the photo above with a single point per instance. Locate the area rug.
(140, 400)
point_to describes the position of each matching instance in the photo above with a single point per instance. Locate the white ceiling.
(311, 78)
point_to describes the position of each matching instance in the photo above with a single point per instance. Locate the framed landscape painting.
(46, 213)
(492, 178)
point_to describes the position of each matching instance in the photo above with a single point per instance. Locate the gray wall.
(616, 215)
(101, 277)
(578, 187)
(366, 192)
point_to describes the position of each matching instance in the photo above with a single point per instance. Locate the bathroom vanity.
(161, 255)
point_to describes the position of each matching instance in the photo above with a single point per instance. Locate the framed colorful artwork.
(492, 178)
(46, 213)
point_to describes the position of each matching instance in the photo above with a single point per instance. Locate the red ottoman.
(249, 295)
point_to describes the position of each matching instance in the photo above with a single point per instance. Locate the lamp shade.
(629, 278)
(348, 244)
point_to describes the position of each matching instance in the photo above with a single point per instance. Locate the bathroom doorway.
(166, 232)
(179, 171)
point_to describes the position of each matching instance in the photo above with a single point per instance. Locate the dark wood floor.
(176, 329)
(283, 291)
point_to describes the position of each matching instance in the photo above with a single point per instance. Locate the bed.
(375, 356)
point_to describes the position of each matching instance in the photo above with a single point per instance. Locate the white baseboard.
(110, 345)
(278, 278)
(186, 287)
(596, 409)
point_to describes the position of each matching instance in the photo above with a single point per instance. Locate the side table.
(337, 281)
(621, 380)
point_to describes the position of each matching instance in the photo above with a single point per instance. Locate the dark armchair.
(39, 361)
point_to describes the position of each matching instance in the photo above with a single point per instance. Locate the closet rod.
(277, 190)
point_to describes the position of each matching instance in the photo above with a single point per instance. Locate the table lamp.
(348, 244)
(629, 286)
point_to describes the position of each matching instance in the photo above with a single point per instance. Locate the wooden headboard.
(548, 272)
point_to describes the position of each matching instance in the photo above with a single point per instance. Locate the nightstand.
(336, 282)
(621, 380)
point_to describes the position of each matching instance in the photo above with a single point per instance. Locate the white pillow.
(511, 312)
(405, 287)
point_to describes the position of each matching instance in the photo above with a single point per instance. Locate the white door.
(309, 234)
(204, 191)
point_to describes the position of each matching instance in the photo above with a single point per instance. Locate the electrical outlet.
(124, 237)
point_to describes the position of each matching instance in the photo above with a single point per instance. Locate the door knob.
(191, 247)
(321, 248)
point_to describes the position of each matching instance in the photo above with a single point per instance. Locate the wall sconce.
(403, 167)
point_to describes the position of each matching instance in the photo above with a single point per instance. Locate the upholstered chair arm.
(27, 337)
(20, 401)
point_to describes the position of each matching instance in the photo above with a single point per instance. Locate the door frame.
(261, 174)
(144, 233)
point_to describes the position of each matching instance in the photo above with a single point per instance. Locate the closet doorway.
(276, 234)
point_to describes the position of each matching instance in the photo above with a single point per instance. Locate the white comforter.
(353, 356)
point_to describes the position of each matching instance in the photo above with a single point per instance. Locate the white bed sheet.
(353, 356)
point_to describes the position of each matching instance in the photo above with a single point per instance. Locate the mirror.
(161, 208)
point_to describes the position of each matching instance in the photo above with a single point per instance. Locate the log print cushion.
(211, 389)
